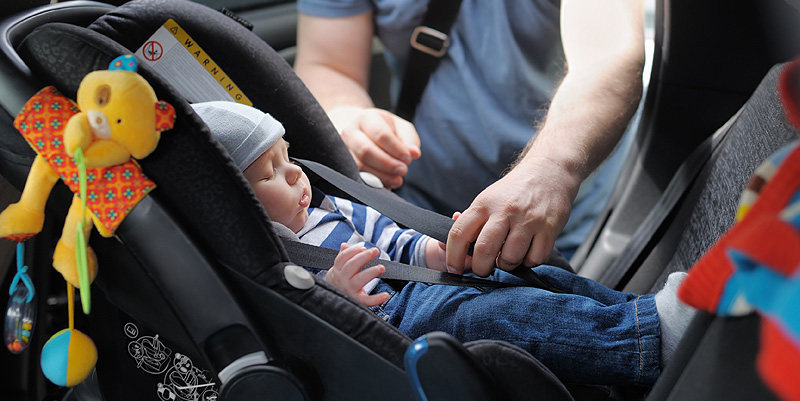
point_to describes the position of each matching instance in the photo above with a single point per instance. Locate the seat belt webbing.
(682, 179)
(321, 258)
(406, 214)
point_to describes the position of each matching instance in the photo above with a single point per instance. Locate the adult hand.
(380, 142)
(516, 220)
(346, 274)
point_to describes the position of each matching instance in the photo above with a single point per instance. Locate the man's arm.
(517, 219)
(333, 60)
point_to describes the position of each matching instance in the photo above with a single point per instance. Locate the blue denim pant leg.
(590, 334)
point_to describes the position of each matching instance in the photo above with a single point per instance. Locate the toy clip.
(21, 311)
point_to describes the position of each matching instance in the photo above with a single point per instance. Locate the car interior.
(199, 298)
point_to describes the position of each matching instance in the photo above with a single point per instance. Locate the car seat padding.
(266, 78)
(709, 207)
(187, 156)
(64, 54)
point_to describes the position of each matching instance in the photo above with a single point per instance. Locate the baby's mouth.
(305, 200)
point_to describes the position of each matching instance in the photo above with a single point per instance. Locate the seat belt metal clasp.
(430, 41)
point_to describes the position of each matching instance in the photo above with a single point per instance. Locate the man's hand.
(380, 142)
(516, 220)
(346, 274)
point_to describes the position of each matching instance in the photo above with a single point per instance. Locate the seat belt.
(317, 257)
(429, 42)
(685, 175)
(422, 220)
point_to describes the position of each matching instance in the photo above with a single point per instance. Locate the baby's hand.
(346, 274)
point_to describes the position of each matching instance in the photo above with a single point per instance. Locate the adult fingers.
(488, 245)
(515, 248)
(389, 151)
(371, 158)
(540, 250)
(381, 127)
(463, 232)
(408, 134)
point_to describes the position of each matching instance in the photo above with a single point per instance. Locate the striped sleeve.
(398, 244)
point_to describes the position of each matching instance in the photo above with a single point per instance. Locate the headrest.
(267, 80)
(195, 178)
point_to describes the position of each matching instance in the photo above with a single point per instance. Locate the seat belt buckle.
(430, 41)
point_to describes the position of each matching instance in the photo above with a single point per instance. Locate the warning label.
(178, 58)
(152, 51)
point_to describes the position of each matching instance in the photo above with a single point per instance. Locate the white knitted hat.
(244, 131)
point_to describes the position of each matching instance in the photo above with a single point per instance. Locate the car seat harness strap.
(422, 220)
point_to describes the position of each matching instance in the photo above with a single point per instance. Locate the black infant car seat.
(197, 269)
(197, 297)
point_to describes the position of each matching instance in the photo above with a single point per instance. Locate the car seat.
(196, 276)
(699, 79)
(174, 280)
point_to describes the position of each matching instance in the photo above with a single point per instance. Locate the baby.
(587, 334)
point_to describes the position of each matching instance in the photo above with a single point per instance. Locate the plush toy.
(117, 118)
(755, 266)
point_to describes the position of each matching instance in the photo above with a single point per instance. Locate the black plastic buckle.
(430, 41)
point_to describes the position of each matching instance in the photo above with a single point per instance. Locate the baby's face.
(281, 186)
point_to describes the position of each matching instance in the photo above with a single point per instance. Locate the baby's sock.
(673, 315)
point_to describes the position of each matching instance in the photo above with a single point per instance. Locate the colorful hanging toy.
(755, 266)
(21, 311)
(90, 146)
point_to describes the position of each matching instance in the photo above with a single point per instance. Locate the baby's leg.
(613, 340)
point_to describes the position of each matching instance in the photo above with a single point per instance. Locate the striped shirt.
(332, 221)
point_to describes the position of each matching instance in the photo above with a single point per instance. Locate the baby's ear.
(165, 116)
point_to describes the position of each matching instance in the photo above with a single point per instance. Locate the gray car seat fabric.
(716, 358)
(330, 337)
(268, 83)
(204, 202)
(709, 207)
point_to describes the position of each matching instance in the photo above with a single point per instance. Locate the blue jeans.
(590, 334)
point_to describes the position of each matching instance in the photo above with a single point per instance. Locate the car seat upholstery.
(710, 204)
(708, 58)
(716, 359)
(197, 269)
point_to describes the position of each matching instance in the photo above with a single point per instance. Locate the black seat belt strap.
(406, 214)
(322, 258)
(429, 42)
(676, 189)
(402, 212)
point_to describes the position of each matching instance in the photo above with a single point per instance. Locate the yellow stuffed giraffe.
(119, 118)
